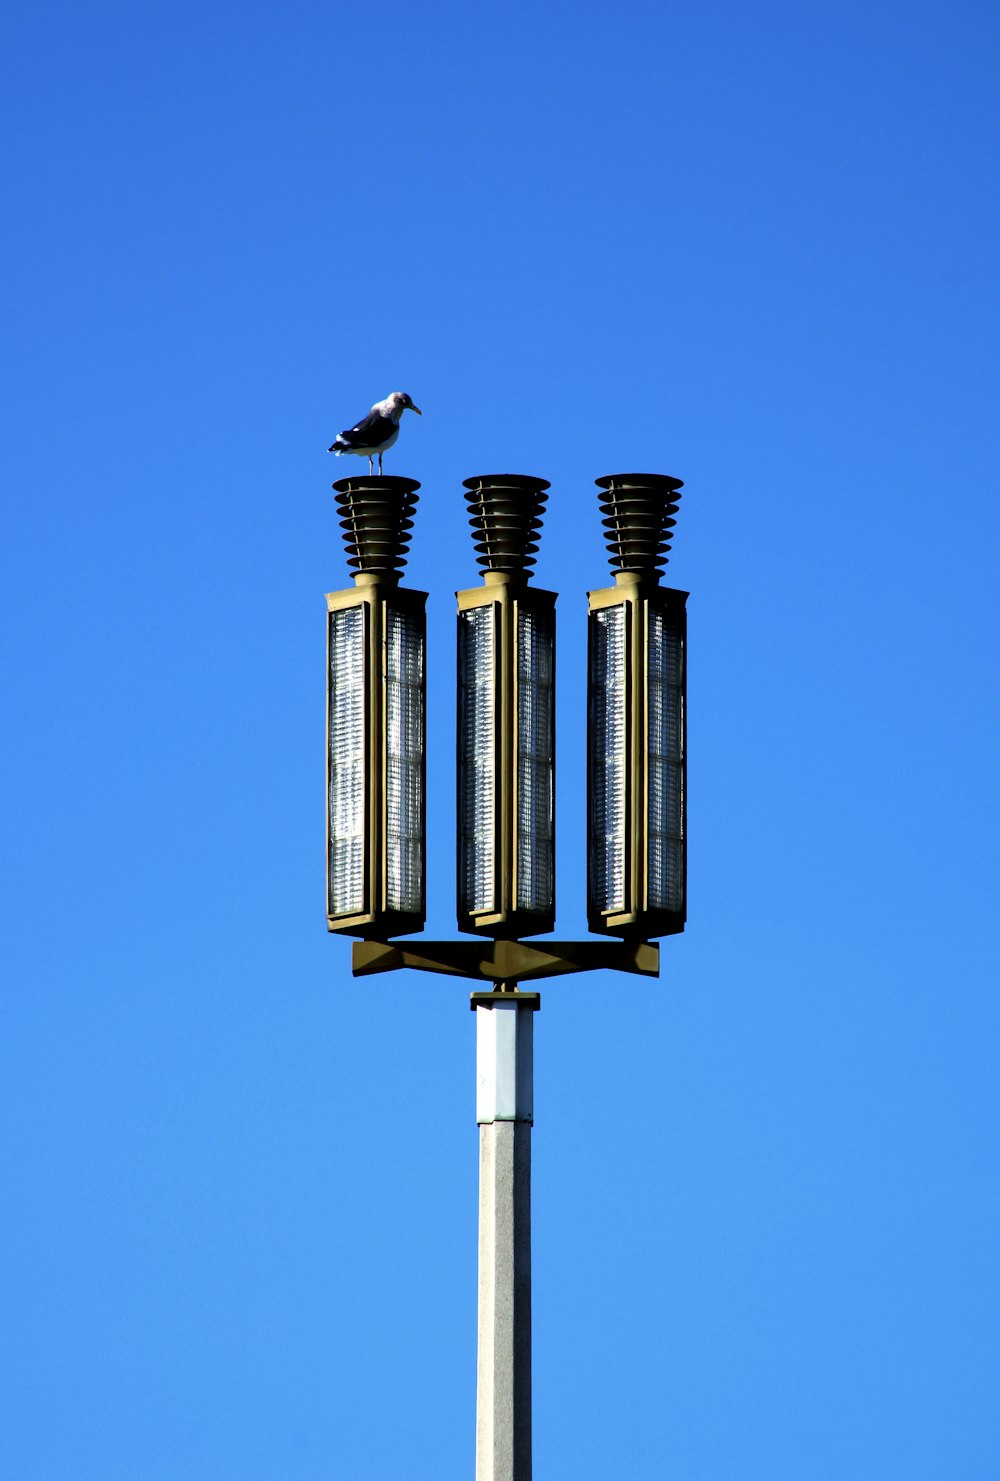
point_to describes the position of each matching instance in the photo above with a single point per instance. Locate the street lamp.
(636, 730)
(636, 821)
(376, 704)
(506, 719)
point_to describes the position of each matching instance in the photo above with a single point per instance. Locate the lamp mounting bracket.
(508, 962)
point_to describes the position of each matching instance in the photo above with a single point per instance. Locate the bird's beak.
(416, 409)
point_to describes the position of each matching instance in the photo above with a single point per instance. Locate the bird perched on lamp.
(376, 432)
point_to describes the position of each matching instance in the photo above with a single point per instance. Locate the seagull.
(376, 432)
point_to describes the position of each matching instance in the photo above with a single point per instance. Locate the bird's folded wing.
(370, 431)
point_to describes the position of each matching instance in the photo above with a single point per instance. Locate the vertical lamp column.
(636, 731)
(376, 720)
(506, 719)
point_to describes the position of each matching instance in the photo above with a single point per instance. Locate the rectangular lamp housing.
(375, 767)
(636, 761)
(506, 760)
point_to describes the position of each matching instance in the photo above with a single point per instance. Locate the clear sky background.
(753, 246)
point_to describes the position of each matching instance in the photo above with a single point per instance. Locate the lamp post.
(636, 822)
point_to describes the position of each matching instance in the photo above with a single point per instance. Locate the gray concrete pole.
(504, 1112)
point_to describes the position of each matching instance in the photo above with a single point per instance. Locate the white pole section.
(504, 1112)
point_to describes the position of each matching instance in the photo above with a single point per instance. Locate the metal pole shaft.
(504, 1112)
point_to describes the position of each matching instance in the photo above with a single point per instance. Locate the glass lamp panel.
(477, 757)
(404, 718)
(665, 741)
(346, 761)
(535, 760)
(607, 760)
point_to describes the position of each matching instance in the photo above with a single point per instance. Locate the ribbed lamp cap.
(639, 510)
(505, 511)
(376, 515)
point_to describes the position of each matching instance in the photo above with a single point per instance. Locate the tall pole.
(504, 1110)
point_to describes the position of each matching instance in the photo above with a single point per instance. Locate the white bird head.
(395, 404)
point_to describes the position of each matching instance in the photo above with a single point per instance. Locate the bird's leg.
(380, 465)
(371, 466)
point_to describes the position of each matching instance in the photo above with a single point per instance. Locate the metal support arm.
(506, 961)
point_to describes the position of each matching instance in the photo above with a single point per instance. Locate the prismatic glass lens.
(607, 760)
(476, 757)
(404, 715)
(665, 740)
(535, 759)
(346, 762)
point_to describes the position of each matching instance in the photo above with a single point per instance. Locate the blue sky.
(753, 247)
